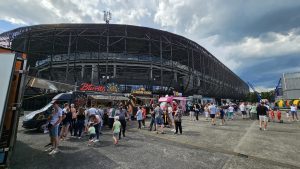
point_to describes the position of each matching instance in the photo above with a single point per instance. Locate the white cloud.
(15, 21)
(167, 12)
(263, 89)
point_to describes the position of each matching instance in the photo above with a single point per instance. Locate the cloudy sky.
(257, 39)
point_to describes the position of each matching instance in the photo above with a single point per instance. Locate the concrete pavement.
(239, 144)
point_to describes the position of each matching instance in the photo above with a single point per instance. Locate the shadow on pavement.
(34, 158)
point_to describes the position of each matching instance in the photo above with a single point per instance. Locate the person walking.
(262, 115)
(116, 129)
(158, 119)
(100, 112)
(55, 120)
(170, 117)
(212, 111)
(139, 117)
(66, 121)
(230, 112)
(152, 122)
(222, 115)
(79, 123)
(144, 112)
(271, 115)
(206, 111)
(73, 121)
(243, 110)
(111, 117)
(122, 120)
(192, 113)
(293, 109)
(197, 110)
(253, 112)
(178, 120)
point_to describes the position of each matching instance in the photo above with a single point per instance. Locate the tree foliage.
(252, 96)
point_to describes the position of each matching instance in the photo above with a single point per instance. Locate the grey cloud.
(266, 72)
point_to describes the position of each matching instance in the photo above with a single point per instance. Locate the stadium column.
(51, 56)
(68, 60)
(193, 68)
(161, 68)
(94, 73)
(150, 54)
(115, 70)
(82, 72)
(175, 73)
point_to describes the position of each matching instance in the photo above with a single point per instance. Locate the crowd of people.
(70, 122)
(255, 111)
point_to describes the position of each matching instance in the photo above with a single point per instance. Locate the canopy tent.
(47, 84)
(165, 99)
(182, 101)
(109, 97)
(144, 98)
(170, 99)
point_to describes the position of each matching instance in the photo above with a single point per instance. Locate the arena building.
(128, 56)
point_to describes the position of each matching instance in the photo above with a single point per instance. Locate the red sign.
(91, 87)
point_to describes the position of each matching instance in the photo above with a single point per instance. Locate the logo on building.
(141, 91)
(112, 88)
(91, 87)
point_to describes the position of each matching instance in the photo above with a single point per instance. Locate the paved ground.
(239, 144)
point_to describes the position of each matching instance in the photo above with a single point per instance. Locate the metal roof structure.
(123, 54)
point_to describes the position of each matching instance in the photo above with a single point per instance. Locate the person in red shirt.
(278, 114)
(272, 114)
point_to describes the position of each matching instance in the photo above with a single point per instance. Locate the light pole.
(107, 18)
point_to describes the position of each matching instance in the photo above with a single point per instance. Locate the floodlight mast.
(107, 16)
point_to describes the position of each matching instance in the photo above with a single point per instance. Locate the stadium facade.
(126, 55)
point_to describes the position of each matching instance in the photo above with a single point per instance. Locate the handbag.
(49, 126)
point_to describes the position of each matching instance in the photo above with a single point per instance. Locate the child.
(92, 133)
(278, 113)
(288, 115)
(116, 129)
(272, 115)
(222, 114)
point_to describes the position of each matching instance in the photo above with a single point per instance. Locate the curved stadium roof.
(42, 41)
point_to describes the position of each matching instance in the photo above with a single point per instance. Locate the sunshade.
(109, 97)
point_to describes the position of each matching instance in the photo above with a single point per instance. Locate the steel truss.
(146, 56)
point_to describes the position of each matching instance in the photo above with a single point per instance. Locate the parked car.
(38, 119)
